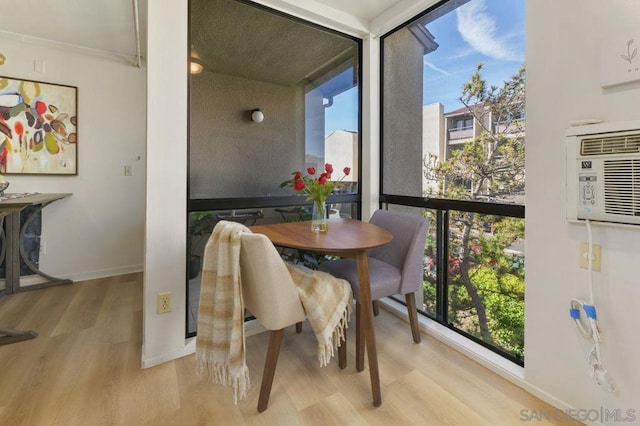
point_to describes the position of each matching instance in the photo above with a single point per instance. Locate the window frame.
(441, 205)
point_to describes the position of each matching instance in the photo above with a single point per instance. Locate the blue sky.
(487, 31)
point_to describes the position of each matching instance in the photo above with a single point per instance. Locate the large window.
(305, 80)
(453, 136)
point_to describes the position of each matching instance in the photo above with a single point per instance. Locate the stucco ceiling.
(232, 38)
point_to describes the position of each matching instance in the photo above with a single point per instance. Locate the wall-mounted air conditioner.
(603, 172)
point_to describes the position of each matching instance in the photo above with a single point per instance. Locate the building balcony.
(461, 133)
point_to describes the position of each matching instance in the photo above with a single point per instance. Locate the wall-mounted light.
(195, 67)
(257, 115)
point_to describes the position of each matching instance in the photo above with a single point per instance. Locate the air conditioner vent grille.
(622, 187)
(618, 144)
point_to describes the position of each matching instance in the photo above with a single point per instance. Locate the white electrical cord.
(589, 328)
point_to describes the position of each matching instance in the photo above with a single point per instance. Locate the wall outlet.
(164, 303)
(43, 248)
(584, 256)
(127, 169)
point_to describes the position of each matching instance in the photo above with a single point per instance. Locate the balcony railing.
(473, 269)
(461, 133)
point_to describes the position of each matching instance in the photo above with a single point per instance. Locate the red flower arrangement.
(316, 189)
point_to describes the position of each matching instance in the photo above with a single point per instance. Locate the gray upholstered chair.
(270, 294)
(395, 268)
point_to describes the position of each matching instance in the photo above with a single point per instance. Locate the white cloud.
(478, 28)
(461, 53)
(435, 68)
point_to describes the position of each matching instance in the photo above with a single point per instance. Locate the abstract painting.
(38, 128)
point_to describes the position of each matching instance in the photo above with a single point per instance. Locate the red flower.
(346, 171)
(322, 179)
(298, 184)
(311, 170)
(328, 168)
(297, 176)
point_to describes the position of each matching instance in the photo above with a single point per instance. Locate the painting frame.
(38, 127)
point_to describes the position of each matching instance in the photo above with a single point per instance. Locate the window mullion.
(442, 248)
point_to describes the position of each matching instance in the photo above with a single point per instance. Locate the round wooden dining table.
(344, 238)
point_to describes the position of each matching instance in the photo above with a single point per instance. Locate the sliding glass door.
(304, 80)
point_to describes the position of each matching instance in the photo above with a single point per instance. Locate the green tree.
(487, 283)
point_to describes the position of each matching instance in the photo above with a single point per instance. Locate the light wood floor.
(84, 369)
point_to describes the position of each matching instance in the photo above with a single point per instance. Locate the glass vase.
(319, 216)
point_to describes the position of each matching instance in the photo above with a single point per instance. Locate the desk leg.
(367, 324)
(12, 269)
(25, 259)
(12, 258)
(8, 336)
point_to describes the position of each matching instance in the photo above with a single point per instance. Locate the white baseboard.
(250, 328)
(188, 348)
(104, 273)
(35, 279)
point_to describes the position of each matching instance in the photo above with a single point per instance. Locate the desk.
(345, 238)
(14, 243)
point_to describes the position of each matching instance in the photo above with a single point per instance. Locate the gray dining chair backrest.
(406, 250)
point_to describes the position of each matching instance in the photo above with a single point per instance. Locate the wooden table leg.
(359, 339)
(342, 354)
(367, 325)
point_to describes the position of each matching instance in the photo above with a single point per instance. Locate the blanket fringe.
(326, 350)
(218, 373)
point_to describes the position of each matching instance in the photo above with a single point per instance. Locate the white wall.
(166, 203)
(563, 85)
(98, 231)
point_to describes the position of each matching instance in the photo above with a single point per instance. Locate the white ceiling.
(365, 10)
(109, 25)
(104, 25)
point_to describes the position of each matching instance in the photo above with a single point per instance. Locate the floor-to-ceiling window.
(453, 137)
(305, 82)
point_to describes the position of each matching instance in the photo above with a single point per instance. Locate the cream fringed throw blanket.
(220, 341)
(220, 348)
(327, 303)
